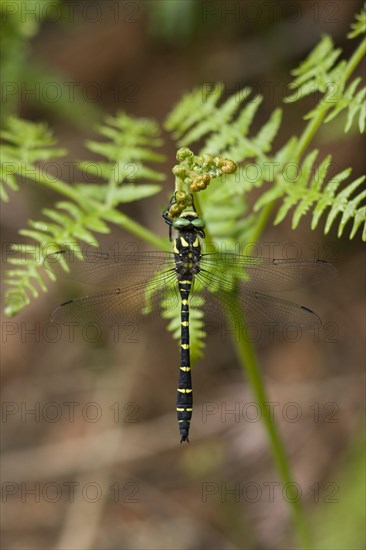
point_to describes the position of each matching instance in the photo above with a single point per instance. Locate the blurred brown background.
(98, 463)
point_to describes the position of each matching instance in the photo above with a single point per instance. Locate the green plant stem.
(356, 58)
(249, 363)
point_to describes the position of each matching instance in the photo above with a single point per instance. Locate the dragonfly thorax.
(187, 253)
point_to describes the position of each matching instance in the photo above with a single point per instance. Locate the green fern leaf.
(326, 198)
(353, 102)
(224, 127)
(29, 141)
(308, 67)
(342, 205)
(293, 188)
(359, 26)
(351, 210)
(131, 144)
(15, 300)
(284, 154)
(35, 235)
(344, 100)
(26, 143)
(360, 218)
(7, 178)
(192, 108)
(314, 74)
(357, 106)
(31, 282)
(263, 140)
(321, 173)
(310, 197)
(212, 120)
(131, 193)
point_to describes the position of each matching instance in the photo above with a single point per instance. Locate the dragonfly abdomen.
(184, 390)
(187, 256)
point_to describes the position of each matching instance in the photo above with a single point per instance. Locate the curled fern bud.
(184, 153)
(174, 211)
(180, 196)
(229, 166)
(183, 201)
(179, 171)
(200, 183)
(207, 160)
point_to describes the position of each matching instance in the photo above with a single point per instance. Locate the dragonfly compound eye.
(180, 223)
(198, 223)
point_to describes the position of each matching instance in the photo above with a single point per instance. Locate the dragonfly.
(137, 283)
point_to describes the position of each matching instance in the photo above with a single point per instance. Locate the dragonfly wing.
(268, 311)
(118, 305)
(95, 267)
(266, 275)
(255, 307)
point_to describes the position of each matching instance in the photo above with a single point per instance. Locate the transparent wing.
(268, 275)
(119, 305)
(254, 307)
(108, 269)
(133, 283)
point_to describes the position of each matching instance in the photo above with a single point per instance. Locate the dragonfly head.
(189, 222)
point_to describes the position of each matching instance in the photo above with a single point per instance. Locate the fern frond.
(225, 131)
(323, 72)
(230, 192)
(207, 117)
(359, 26)
(192, 109)
(357, 106)
(130, 145)
(90, 207)
(352, 99)
(225, 127)
(129, 139)
(225, 223)
(309, 191)
(29, 141)
(7, 177)
(26, 144)
(348, 208)
(24, 278)
(317, 72)
(233, 142)
(69, 225)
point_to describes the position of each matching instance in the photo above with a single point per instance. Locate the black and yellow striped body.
(187, 251)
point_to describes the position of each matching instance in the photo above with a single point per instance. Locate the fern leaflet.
(307, 189)
(90, 207)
